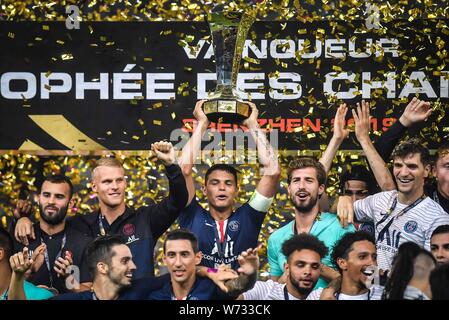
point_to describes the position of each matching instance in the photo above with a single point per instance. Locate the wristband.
(212, 270)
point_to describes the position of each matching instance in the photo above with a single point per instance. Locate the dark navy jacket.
(203, 289)
(76, 244)
(140, 290)
(142, 227)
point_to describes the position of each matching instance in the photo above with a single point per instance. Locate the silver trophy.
(229, 30)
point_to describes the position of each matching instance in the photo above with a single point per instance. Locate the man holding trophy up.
(222, 231)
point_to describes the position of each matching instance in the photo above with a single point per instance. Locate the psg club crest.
(128, 229)
(410, 226)
(233, 225)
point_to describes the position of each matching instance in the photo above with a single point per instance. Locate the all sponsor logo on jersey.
(391, 239)
(132, 239)
(229, 250)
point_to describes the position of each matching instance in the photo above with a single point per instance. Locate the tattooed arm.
(249, 265)
(268, 160)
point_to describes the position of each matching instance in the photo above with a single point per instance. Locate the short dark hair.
(443, 150)
(58, 178)
(100, 250)
(222, 167)
(359, 173)
(410, 147)
(6, 242)
(439, 282)
(182, 234)
(344, 245)
(307, 162)
(440, 229)
(304, 241)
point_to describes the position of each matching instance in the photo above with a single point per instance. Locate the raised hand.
(249, 261)
(251, 121)
(416, 111)
(164, 151)
(249, 265)
(340, 133)
(362, 122)
(198, 112)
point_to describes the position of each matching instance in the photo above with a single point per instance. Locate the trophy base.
(226, 111)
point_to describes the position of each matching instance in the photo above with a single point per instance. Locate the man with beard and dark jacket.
(61, 248)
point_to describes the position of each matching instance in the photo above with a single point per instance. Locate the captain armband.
(259, 202)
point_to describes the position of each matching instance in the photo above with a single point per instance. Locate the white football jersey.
(391, 230)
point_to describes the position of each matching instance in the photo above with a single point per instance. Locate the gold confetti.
(66, 56)
(188, 126)
(337, 68)
(138, 194)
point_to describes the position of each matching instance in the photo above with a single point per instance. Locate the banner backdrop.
(122, 86)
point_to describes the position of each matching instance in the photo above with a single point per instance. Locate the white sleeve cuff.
(259, 202)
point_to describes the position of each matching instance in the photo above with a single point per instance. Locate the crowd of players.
(386, 236)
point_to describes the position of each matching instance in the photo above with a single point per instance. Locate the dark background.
(113, 123)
